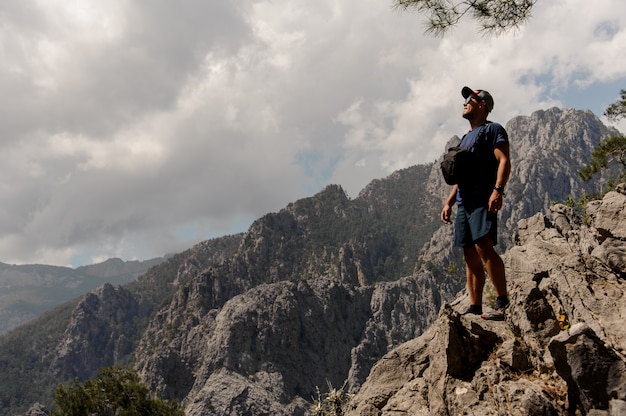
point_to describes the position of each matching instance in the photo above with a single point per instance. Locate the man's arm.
(501, 152)
(446, 212)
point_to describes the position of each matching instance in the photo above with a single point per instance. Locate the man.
(478, 200)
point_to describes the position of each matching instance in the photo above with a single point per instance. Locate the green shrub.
(115, 391)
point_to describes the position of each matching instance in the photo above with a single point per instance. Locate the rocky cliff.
(315, 293)
(548, 148)
(561, 349)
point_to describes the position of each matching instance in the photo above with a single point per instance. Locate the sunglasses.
(470, 98)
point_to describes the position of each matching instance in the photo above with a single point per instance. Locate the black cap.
(481, 94)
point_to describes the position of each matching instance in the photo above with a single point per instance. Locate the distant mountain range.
(313, 294)
(26, 291)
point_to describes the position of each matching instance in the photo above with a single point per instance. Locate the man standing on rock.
(478, 199)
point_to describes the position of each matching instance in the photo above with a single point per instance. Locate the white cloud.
(134, 130)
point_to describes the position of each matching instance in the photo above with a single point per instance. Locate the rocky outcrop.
(267, 350)
(561, 349)
(99, 334)
(548, 149)
(37, 410)
(321, 290)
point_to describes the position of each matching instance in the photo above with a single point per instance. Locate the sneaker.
(498, 313)
(473, 310)
(502, 302)
(494, 315)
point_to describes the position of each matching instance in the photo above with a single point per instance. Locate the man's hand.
(446, 212)
(495, 201)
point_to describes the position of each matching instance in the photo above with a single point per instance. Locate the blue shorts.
(472, 225)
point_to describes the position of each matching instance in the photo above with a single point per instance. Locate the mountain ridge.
(207, 327)
(31, 289)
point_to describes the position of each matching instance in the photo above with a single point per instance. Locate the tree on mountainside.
(611, 150)
(115, 391)
(493, 16)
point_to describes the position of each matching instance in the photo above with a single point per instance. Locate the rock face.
(561, 349)
(99, 333)
(37, 410)
(266, 350)
(548, 149)
(321, 290)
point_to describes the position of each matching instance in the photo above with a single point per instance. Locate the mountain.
(560, 350)
(26, 291)
(316, 293)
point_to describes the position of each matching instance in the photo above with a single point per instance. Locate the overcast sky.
(134, 129)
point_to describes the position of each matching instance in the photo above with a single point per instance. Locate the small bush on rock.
(333, 403)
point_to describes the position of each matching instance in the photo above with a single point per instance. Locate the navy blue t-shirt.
(477, 192)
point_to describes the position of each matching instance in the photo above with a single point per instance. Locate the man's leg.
(495, 269)
(475, 275)
(493, 264)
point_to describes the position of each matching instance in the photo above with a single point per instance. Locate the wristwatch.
(500, 189)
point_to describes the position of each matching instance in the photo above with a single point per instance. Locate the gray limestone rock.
(560, 351)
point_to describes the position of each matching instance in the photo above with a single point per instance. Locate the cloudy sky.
(134, 129)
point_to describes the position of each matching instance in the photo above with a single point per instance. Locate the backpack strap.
(484, 149)
(481, 134)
